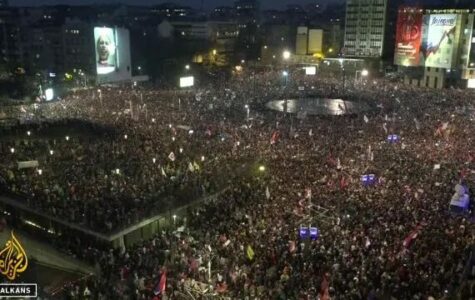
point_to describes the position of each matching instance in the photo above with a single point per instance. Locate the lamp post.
(286, 76)
(363, 73)
(286, 54)
(341, 60)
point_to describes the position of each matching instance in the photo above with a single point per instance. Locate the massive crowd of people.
(394, 239)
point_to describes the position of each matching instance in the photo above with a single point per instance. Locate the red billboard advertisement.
(408, 36)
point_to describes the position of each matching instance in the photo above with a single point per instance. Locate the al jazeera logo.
(13, 262)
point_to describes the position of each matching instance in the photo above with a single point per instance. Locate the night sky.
(208, 4)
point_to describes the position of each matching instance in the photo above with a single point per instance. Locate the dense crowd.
(394, 239)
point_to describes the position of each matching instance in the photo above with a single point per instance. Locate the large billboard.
(441, 41)
(408, 36)
(112, 48)
(471, 57)
(106, 50)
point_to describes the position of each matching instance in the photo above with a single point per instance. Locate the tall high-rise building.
(247, 10)
(365, 28)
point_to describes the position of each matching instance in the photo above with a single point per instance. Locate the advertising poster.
(408, 37)
(441, 41)
(106, 50)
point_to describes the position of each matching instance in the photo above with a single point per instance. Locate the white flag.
(418, 125)
(171, 156)
(366, 119)
(386, 118)
(445, 125)
(436, 166)
(267, 192)
(385, 128)
(190, 167)
(338, 163)
(163, 172)
(196, 166)
(310, 132)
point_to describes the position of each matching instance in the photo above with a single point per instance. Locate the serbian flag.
(324, 288)
(162, 284)
(274, 138)
(412, 236)
(343, 183)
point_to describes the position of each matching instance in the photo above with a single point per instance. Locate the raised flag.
(366, 119)
(292, 247)
(190, 167)
(250, 252)
(171, 156)
(274, 138)
(163, 172)
(418, 125)
(267, 193)
(412, 236)
(162, 284)
(308, 193)
(196, 166)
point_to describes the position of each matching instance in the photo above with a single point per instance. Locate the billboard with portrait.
(441, 41)
(471, 55)
(106, 50)
(408, 36)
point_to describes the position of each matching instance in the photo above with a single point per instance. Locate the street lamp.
(286, 76)
(286, 54)
(187, 67)
(364, 73)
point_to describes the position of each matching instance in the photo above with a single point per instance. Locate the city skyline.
(208, 4)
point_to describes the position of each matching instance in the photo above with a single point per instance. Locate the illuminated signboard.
(187, 81)
(408, 37)
(106, 50)
(441, 41)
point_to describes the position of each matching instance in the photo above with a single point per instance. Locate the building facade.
(436, 48)
(365, 28)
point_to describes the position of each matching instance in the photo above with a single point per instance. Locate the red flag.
(412, 236)
(275, 136)
(162, 284)
(343, 183)
(324, 288)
